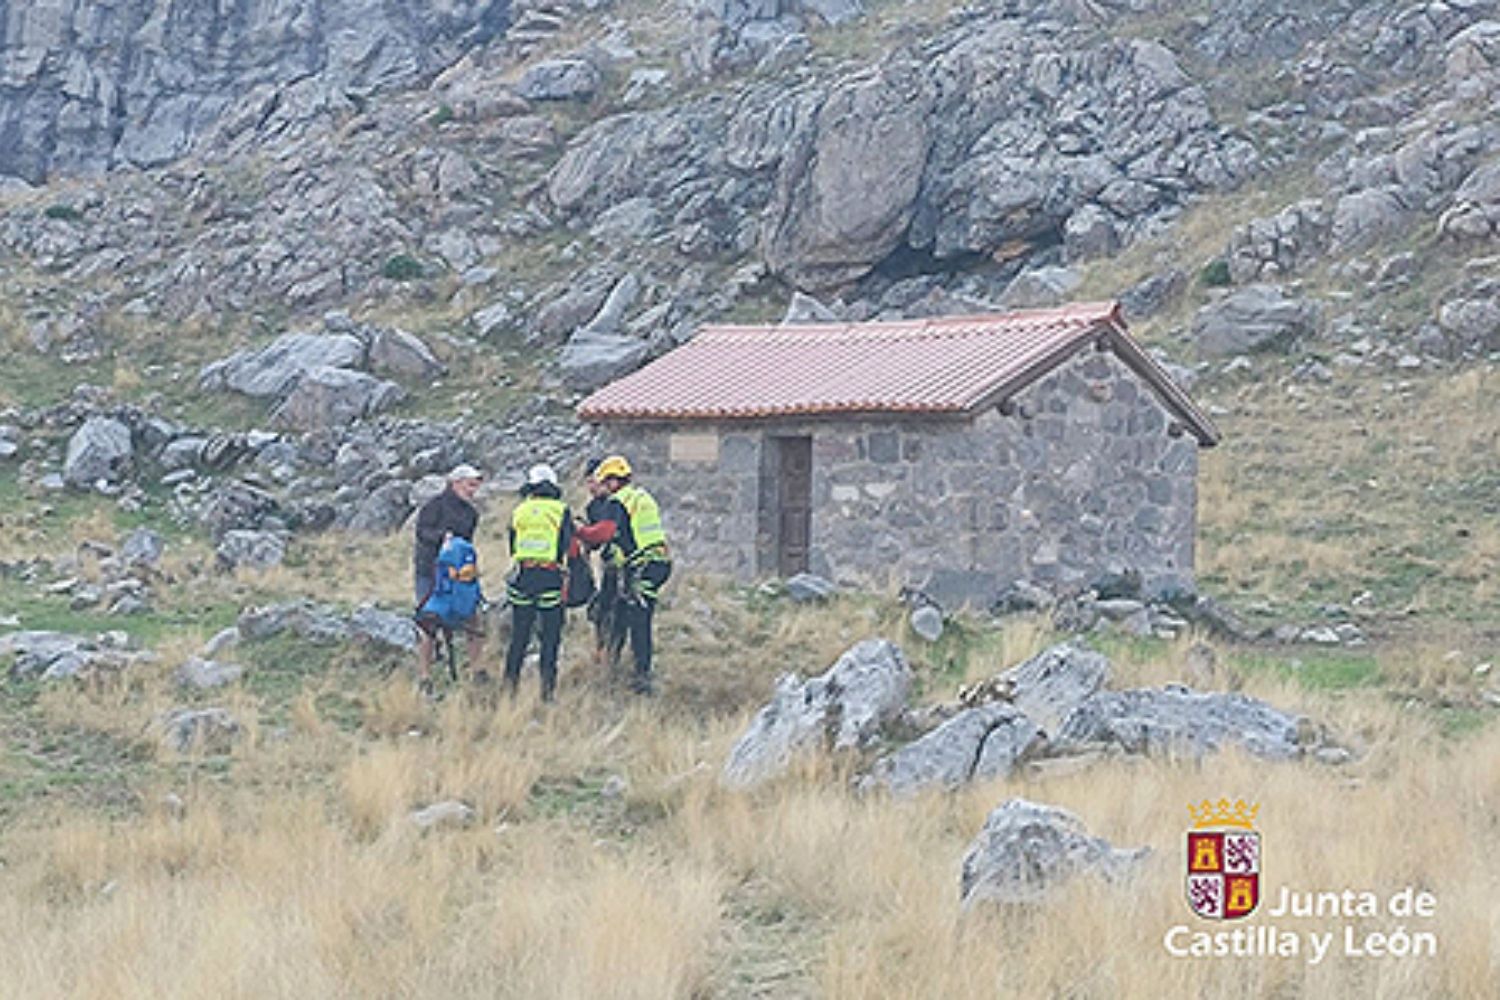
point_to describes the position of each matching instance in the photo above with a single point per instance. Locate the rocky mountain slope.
(95, 86)
(523, 199)
(305, 156)
(269, 268)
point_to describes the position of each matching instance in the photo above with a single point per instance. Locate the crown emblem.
(1224, 813)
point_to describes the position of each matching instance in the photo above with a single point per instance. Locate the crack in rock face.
(978, 743)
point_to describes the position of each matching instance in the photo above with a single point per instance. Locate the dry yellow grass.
(291, 868)
(302, 874)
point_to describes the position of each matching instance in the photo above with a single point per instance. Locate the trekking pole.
(452, 658)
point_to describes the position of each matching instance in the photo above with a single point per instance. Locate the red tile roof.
(951, 365)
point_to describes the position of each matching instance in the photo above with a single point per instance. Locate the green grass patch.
(402, 267)
(1318, 670)
(1215, 274)
(1461, 723)
(344, 710)
(557, 797)
(31, 379)
(1118, 646)
(963, 647)
(277, 668)
(51, 613)
(46, 762)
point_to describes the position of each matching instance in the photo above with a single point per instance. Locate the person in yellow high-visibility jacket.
(642, 542)
(541, 530)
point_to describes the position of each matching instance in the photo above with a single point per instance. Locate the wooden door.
(793, 504)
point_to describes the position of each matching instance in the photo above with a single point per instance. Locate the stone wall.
(1085, 475)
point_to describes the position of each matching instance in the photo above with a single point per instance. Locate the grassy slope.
(290, 865)
(290, 869)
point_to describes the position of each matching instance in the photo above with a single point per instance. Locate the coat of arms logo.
(1223, 859)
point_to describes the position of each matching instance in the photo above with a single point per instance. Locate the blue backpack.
(455, 593)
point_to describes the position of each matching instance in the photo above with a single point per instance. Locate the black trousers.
(635, 610)
(604, 608)
(536, 599)
(524, 617)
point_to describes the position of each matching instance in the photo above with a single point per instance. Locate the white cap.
(542, 473)
(464, 471)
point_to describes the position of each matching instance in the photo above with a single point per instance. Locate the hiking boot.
(642, 686)
(426, 690)
(483, 679)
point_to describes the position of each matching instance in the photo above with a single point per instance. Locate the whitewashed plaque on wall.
(699, 448)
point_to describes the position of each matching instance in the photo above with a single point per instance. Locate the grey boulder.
(35, 652)
(334, 397)
(492, 318)
(1040, 286)
(1279, 244)
(142, 548)
(841, 709)
(927, 622)
(54, 656)
(1051, 685)
(400, 353)
(303, 619)
(182, 453)
(591, 359)
(805, 309)
(221, 641)
(832, 11)
(559, 80)
(204, 675)
(1255, 318)
(1177, 720)
(1026, 850)
(99, 451)
(1366, 217)
(236, 504)
(845, 200)
(371, 625)
(1472, 322)
(384, 510)
(253, 549)
(1475, 214)
(440, 815)
(806, 588)
(206, 730)
(271, 371)
(1090, 232)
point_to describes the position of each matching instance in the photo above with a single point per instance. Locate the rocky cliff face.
(87, 86)
(1000, 134)
(588, 172)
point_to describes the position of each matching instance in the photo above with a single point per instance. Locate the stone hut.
(955, 455)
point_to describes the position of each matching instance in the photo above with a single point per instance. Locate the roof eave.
(1193, 419)
(808, 414)
(1111, 332)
